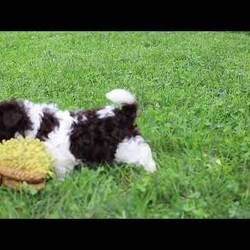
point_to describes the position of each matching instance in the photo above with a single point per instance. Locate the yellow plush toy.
(24, 160)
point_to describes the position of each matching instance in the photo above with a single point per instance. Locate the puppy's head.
(13, 118)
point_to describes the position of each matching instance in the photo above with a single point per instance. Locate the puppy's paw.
(150, 167)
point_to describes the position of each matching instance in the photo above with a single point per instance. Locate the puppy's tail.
(127, 100)
(121, 96)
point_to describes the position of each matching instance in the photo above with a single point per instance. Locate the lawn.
(193, 89)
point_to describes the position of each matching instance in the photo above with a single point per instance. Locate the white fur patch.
(83, 118)
(105, 112)
(35, 114)
(58, 144)
(18, 135)
(135, 150)
(121, 96)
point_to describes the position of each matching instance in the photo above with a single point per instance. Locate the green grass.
(194, 94)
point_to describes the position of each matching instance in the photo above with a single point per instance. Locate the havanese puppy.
(107, 134)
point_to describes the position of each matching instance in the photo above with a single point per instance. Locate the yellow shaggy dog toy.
(24, 160)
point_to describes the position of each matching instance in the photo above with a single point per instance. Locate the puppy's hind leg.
(135, 151)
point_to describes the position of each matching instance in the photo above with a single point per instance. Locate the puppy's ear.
(10, 114)
(11, 118)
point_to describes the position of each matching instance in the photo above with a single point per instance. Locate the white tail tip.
(121, 96)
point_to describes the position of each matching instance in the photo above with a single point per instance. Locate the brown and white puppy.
(106, 134)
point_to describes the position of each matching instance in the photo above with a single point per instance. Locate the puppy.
(106, 134)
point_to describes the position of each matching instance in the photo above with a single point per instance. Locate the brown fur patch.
(48, 124)
(96, 140)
